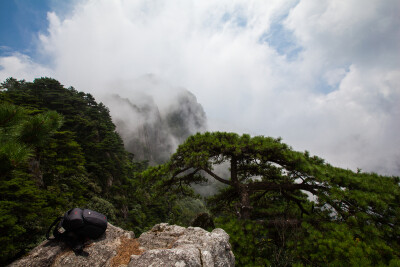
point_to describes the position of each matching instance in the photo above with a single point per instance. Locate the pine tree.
(23, 205)
(351, 219)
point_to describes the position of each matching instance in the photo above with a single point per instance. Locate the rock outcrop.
(164, 245)
(171, 245)
(157, 119)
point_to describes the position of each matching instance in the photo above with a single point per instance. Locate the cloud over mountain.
(324, 75)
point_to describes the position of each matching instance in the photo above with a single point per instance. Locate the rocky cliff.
(164, 245)
(153, 118)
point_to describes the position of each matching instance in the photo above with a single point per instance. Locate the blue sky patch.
(279, 37)
(282, 40)
(324, 88)
(236, 18)
(323, 85)
(20, 23)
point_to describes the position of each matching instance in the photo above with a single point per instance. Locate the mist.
(153, 117)
(323, 75)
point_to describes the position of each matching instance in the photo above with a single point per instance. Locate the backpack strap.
(56, 234)
(75, 242)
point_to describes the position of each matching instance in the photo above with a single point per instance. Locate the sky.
(323, 75)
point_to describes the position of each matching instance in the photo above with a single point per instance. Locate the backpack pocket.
(73, 219)
(95, 223)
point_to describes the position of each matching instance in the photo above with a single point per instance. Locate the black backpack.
(76, 226)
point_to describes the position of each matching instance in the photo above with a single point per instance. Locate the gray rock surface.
(164, 245)
(54, 253)
(171, 245)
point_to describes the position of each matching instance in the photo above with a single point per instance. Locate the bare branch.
(177, 172)
(216, 177)
(262, 186)
(297, 201)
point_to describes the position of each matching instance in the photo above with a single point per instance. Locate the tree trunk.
(34, 167)
(245, 207)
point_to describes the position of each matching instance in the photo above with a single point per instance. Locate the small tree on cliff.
(256, 165)
(263, 166)
(265, 178)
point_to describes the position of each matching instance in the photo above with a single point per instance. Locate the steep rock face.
(142, 128)
(164, 245)
(155, 118)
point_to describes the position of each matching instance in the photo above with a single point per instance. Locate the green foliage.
(24, 211)
(185, 210)
(52, 166)
(12, 150)
(250, 241)
(90, 124)
(337, 244)
(38, 128)
(353, 220)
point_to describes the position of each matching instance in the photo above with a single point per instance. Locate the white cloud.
(335, 97)
(348, 32)
(356, 125)
(21, 67)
